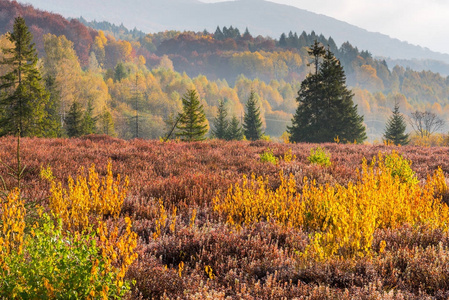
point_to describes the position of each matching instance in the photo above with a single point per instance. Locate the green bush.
(268, 156)
(401, 168)
(54, 265)
(320, 157)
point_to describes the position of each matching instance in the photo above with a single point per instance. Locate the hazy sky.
(419, 22)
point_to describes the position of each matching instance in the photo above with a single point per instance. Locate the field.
(195, 242)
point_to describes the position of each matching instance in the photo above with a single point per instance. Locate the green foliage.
(268, 156)
(320, 157)
(120, 72)
(221, 125)
(74, 122)
(326, 108)
(192, 121)
(23, 99)
(58, 265)
(401, 168)
(89, 121)
(252, 124)
(395, 130)
(235, 130)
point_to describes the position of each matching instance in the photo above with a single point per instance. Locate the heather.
(192, 244)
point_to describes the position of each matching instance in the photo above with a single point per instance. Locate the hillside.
(261, 17)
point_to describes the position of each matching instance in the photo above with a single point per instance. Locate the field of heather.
(215, 221)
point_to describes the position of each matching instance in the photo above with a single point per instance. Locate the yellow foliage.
(117, 250)
(12, 224)
(341, 219)
(87, 197)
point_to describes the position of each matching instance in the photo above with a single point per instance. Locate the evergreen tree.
(283, 41)
(23, 97)
(218, 35)
(326, 109)
(395, 130)
(192, 121)
(252, 124)
(89, 122)
(120, 72)
(235, 130)
(74, 122)
(220, 123)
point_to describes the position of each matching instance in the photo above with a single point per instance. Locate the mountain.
(261, 17)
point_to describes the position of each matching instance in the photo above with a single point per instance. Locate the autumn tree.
(192, 123)
(326, 109)
(425, 123)
(221, 124)
(252, 123)
(23, 97)
(395, 130)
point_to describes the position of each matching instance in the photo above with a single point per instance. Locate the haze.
(420, 22)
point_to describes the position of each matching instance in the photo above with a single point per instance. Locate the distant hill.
(261, 17)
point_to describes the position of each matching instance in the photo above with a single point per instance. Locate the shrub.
(320, 157)
(342, 219)
(400, 167)
(268, 156)
(57, 265)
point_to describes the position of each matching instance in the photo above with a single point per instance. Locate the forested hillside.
(150, 73)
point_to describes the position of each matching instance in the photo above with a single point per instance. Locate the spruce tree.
(192, 124)
(23, 98)
(221, 124)
(74, 123)
(326, 109)
(340, 117)
(235, 130)
(89, 121)
(395, 130)
(252, 124)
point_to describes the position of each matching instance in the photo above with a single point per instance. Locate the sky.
(419, 22)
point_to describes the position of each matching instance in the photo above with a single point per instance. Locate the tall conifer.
(192, 121)
(221, 124)
(23, 97)
(395, 130)
(252, 124)
(326, 109)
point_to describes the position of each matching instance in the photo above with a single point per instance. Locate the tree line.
(325, 110)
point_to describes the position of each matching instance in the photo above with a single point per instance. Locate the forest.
(125, 73)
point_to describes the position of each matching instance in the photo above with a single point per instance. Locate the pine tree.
(395, 130)
(235, 130)
(252, 124)
(74, 122)
(220, 123)
(326, 109)
(192, 123)
(23, 99)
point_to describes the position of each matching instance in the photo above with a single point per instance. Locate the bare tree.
(424, 123)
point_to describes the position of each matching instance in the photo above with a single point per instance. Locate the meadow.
(251, 220)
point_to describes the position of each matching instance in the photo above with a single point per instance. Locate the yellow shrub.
(12, 224)
(87, 197)
(342, 220)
